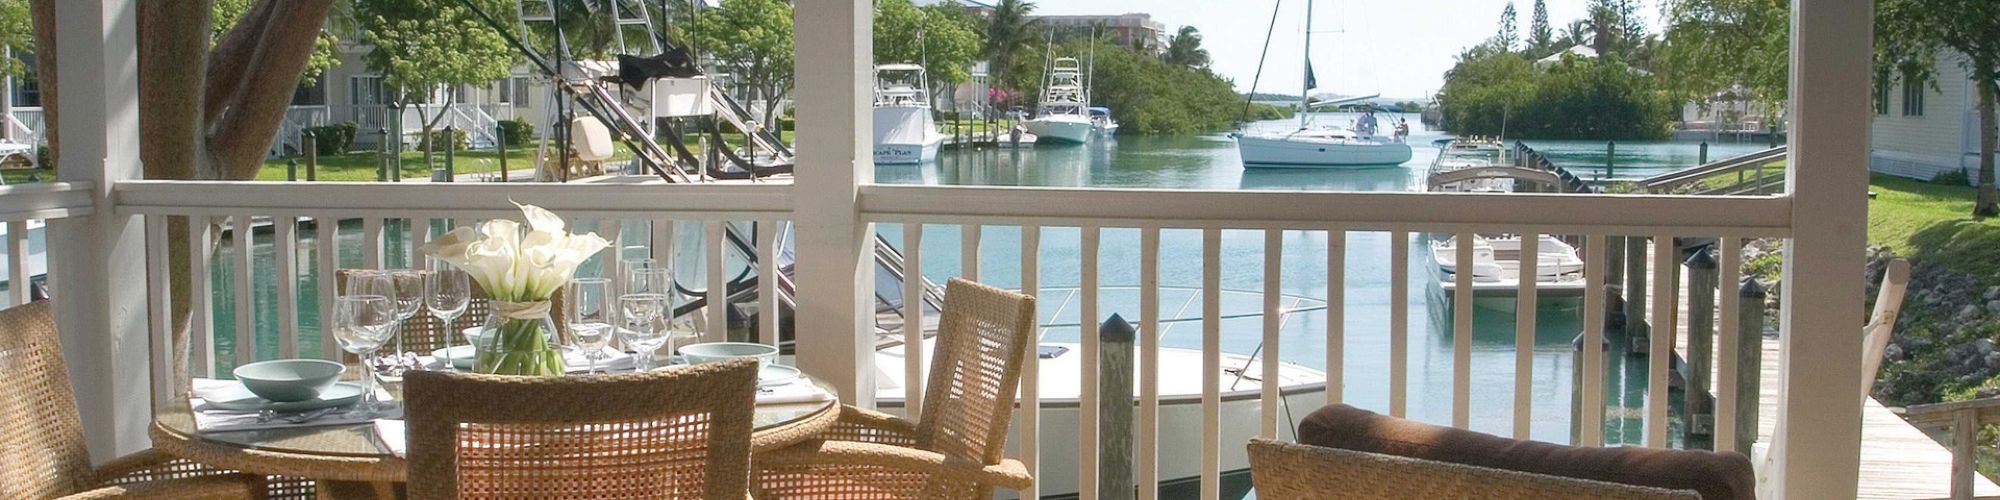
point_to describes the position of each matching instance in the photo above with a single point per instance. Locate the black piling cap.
(1752, 288)
(1700, 260)
(1116, 330)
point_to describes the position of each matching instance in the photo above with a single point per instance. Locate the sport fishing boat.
(905, 132)
(1321, 146)
(1062, 117)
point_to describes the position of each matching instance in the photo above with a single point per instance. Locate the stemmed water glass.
(589, 317)
(642, 330)
(361, 324)
(447, 292)
(378, 283)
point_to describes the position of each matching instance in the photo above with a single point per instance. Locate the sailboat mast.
(1305, 92)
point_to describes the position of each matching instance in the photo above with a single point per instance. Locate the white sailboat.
(1062, 117)
(905, 132)
(1324, 146)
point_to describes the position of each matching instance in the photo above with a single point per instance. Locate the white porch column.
(1818, 445)
(836, 318)
(101, 313)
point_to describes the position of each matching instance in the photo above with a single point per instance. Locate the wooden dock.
(1898, 461)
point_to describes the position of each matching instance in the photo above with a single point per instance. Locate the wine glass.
(589, 317)
(408, 298)
(681, 329)
(642, 331)
(361, 323)
(375, 282)
(447, 292)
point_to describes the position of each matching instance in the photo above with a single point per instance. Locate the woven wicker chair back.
(681, 433)
(42, 452)
(984, 335)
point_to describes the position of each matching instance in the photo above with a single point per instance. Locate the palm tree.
(1007, 30)
(1184, 49)
(1577, 33)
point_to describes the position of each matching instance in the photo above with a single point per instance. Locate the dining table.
(343, 456)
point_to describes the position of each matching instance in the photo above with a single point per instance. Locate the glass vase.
(519, 346)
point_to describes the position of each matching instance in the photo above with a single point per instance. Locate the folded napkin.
(393, 437)
(611, 360)
(797, 391)
(208, 418)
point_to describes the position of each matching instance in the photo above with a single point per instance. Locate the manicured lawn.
(360, 166)
(1932, 221)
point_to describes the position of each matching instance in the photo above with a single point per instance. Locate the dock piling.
(450, 147)
(1749, 361)
(1700, 402)
(382, 156)
(1114, 408)
(312, 156)
(501, 146)
(1636, 328)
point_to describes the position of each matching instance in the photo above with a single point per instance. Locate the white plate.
(772, 375)
(235, 397)
(460, 356)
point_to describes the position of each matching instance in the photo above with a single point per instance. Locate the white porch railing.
(24, 213)
(378, 213)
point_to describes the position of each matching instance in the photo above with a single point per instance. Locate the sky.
(1396, 48)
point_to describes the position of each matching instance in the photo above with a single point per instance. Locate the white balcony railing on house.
(374, 214)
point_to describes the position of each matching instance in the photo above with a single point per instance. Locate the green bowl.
(289, 380)
(720, 351)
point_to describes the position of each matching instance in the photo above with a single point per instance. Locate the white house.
(1921, 131)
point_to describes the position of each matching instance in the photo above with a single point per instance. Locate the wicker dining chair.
(1290, 471)
(42, 452)
(954, 450)
(681, 433)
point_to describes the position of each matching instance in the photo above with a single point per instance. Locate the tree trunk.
(1989, 203)
(214, 122)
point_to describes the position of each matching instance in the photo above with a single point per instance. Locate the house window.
(365, 90)
(1882, 96)
(514, 90)
(27, 91)
(310, 95)
(1913, 98)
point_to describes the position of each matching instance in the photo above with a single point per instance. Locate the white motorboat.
(1463, 153)
(1061, 117)
(1060, 382)
(905, 132)
(1100, 118)
(1496, 269)
(1323, 146)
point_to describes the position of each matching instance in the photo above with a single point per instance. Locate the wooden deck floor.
(1898, 461)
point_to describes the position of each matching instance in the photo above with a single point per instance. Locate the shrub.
(435, 142)
(44, 157)
(516, 131)
(333, 139)
(1952, 178)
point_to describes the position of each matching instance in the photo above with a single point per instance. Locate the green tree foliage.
(941, 36)
(1909, 36)
(1541, 38)
(753, 39)
(1148, 95)
(1508, 37)
(1012, 40)
(1712, 45)
(423, 45)
(1184, 49)
(1491, 93)
(17, 31)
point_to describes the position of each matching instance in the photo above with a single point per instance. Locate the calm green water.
(1199, 162)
